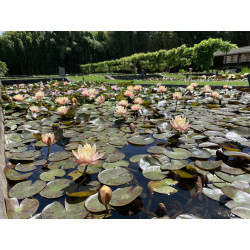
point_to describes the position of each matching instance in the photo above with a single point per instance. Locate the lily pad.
(54, 188)
(237, 154)
(214, 194)
(26, 209)
(140, 140)
(26, 189)
(137, 158)
(230, 170)
(208, 165)
(174, 165)
(25, 167)
(77, 190)
(121, 163)
(178, 154)
(156, 150)
(59, 156)
(148, 161)
(115, 176)
(200, 153)
(163, 186)
(124, 196)
(51, 174)
(64, 164)
(153, 173)
(242, 212)
(56, 210)
(93, 204)
(13, 175)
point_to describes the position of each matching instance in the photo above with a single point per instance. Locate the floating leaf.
(54, 188)
(237, 154)
(64, 164)
(116, 156)
(93, 204)
(242, 212)
(178, 154)
(148, 161)
(156, 150)
(26, 209)
(153, 173)
(26, 189)
(174, 165)
(124, 196)
(208, 165)
(137, 158)
(230, 170)
(185, 175)
(200, 153)
(214, 194)
(140, 140)
(56, 210)
(115, 176)
(121, 163)
(13, 175)
(51, 174)
(59, 156)
(163, 186)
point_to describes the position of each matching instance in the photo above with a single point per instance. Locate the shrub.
(3, 68)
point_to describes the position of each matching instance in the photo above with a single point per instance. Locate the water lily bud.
(105, 195)
(161, 210)
(204, 180)
(132, 127)
(158, 130)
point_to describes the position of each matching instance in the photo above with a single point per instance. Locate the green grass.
(102, 78)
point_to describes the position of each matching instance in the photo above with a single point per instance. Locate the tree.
(3, 68)
(203, 52)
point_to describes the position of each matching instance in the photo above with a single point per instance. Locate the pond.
(168, 153)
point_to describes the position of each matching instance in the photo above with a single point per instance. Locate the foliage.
(3, 68)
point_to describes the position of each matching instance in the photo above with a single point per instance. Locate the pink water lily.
(180, 124)
(18, 98)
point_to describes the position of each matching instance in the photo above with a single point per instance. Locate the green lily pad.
(140, 140)
(26, 209)
(56, 210)
(26, 189)
(124, 196)
(54, 188)
(214, 194)
(121, 163)
(184, 174)
(13, 175)
(163, 186)
(93, 204)
(153, 173)
(51, 174)
(230, 170)
(25, 167)
(64, 164)
(148, 161)
(115, 176)
(200, 153)
(156, 150)
(137, 158)
(93, 169)
(178, 154)
(59, 156)
(31, 154)
(237, 154)
(116, 156)
(163, 136)
(242, 212)
(231, 178)
(188, 216)
(77, 190)
(208, 165)
(174, 165)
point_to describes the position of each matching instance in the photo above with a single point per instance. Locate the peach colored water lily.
(105, 195)
(34, 109)
(138, 100)
(225, 86)
(87, 155)
(194, 84)
(130, 88)
(179, 123)
(207, 89)
(18, 98)
(128, 93)
(190, 88)
(177, 95)
(136, 107)
(39, 95)
(123, 103)
(137, 87)
(162, 89)
(48, 139)
(62, 110)
(100, 99)
(62, 100)
(121, 110)
(215, 94)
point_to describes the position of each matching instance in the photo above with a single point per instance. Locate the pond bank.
(3, 181)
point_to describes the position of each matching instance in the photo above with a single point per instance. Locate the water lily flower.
(39, 95)
(162, 89)
(9, 92)
(138, 100)
(137, 87)
(121, 110)
(65, 83)
(85, 92)
(215, 94)
(190, 88)
(93, 92)
(194, 84)
(136, 107)
(204, 77)
(100, 99)
(62, 110)
(55, 84)
(105, 195)
(213, 76)
(128, 93)
(103, 88)
(62, 100)
(158, 84)
(207, 89)
(123, 103)
(18, 98)
(34, 109)
(177, 95)
(180, 124)
(87, 155)
(31, 85)
(225, 86)
(14, 85)
(114, 88)
(21, 85)
(130, 88)
(48, 139)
